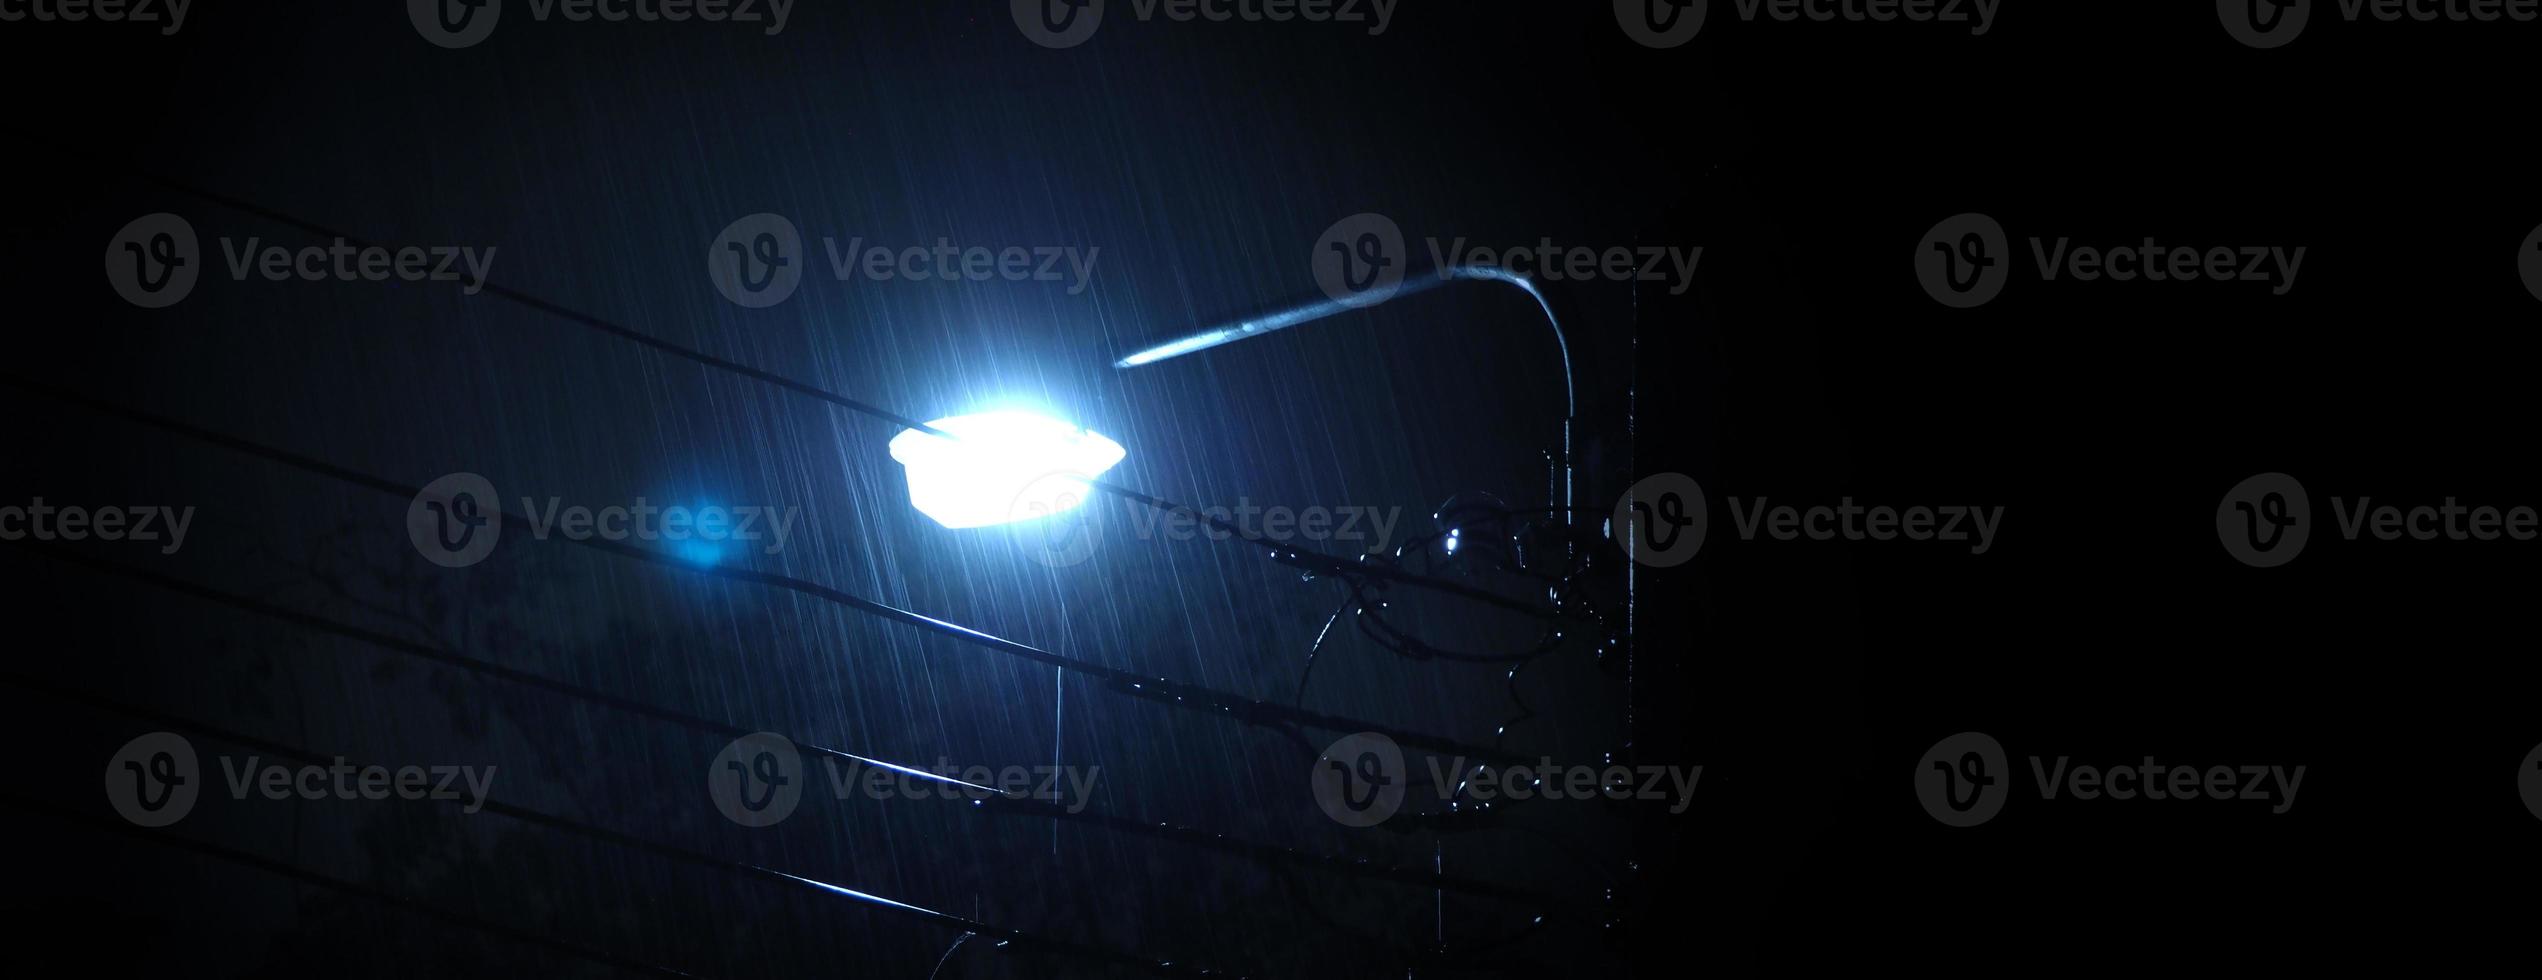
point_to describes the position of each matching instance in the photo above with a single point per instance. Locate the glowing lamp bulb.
(1001, 467)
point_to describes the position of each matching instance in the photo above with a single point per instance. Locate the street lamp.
(1000, 467)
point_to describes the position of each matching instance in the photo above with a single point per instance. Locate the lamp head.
(1001, 467)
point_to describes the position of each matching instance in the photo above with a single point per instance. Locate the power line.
(1304, 558)
(998, 803)
(306, 876)
(1355, 574)
(671, 851)
(583, 319)
(1157, 689)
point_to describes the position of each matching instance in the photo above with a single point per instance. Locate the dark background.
(2107, 418)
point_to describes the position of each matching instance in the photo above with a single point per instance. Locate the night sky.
(1173, 175)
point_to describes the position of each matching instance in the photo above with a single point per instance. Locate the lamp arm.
(1321, 307)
